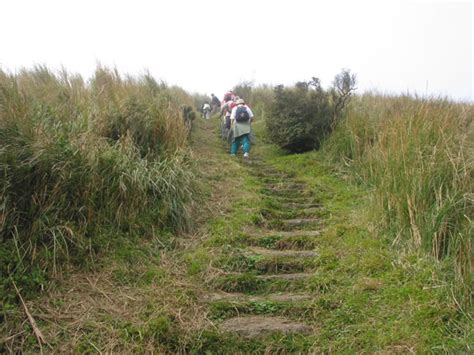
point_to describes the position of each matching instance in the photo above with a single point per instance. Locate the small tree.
(299, 116)
(302, 116)
(343, 86)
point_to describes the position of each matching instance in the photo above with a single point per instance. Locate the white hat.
(240, 102)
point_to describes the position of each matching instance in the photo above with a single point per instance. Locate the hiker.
(215, 103)
(206, 110)
(241, 119)
(226, 110)
(229, 95)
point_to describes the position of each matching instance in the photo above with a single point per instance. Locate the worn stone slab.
(257, 326)
(300, 221)
(307, 211)
(290, 193)
(268, 172)
(294, 199)
(274, 174)
(274, 297)
(283, 253)
(286, 186)
(285, 277)
(297, 205)
(284, 191)
(295, 212)
(285, 234)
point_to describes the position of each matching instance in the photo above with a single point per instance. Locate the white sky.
(209, 45)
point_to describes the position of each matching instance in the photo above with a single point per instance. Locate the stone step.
(285, 234)
(285, 277)
(283, 253)
(273, 297)
(286, 186)
(261, 284)
(260, 326)
(276, 179)
(285, 213)
(282, 199)
(297, 205)
(306, 211)
(264, 169)
(287, 194)
(294, 240)
(300, 221)
(290, 224)
(263, 261)
(272, 174)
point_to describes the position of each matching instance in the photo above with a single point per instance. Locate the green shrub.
(299, 118)
(302, 116)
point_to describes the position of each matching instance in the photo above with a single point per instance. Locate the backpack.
(242, 115)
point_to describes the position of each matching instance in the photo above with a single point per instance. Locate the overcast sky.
(209, 45)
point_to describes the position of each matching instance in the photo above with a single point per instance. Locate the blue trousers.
(243, 140)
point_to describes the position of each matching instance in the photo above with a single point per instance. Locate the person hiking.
(241, 120)
(215, 103)
(226, 109)
(229, 95)
(206, 110)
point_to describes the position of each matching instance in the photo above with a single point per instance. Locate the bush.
(299, 118)
(302, 116)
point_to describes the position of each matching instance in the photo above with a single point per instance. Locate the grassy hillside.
(101, 231)
(156, 294)
(417, 155)
(84, 165)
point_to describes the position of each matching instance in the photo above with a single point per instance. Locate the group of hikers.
(236, 120)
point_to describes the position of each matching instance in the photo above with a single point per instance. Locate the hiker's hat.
(240, 102)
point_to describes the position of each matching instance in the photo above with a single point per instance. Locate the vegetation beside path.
(93, 175)
(414, 154)
(364, 295)
(350, 290)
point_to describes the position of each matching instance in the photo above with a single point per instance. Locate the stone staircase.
(266, 292)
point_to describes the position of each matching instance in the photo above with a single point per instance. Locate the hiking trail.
(284, 258)
(279, 255)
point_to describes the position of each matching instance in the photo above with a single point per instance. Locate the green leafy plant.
(302, 116)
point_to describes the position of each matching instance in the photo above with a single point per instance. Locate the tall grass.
(83, 164)
(418, 154)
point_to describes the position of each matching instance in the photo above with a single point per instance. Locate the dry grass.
(93, 310)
